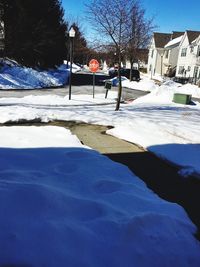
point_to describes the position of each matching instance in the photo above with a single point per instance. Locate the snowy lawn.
(62, 204)
(169, 130)
(14, 76)
(168, 87)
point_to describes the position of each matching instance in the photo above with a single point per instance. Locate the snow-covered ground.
(168, 87)
(145, 84)
(14, 76)
(62, 204)
(169, 130)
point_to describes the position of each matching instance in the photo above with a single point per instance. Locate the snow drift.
(15, 76)
(62, 204)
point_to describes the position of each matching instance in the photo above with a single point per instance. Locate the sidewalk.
(95, 137)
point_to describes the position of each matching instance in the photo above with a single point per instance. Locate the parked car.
(126, 73)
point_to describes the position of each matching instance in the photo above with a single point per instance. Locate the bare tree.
(110, 18)
(140, 31)
(122, 22)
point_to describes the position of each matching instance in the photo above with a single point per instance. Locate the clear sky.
(170, 15)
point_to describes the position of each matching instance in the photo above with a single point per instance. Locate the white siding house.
(163, 53)
(188, 65)
(156, 51)
(170, 57)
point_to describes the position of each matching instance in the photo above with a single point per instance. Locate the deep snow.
(15, 76)
(169, 130)
(62, 204)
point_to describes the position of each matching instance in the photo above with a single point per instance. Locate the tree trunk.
(131, 72)
(120, 83)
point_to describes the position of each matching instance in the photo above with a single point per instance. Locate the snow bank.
(64, 205)
(54, 100)
(153, 121)
(75, 68)
(165, 92)
(193, 90)
(145, 84)
(14, 76)
(160, 94)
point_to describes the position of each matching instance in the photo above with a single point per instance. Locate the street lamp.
(72, 34)
(162, 64)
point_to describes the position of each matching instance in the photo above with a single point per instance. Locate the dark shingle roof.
(161, 39)
(192, 35)
(176, 34)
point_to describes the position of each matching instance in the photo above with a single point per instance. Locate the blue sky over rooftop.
(171, 15)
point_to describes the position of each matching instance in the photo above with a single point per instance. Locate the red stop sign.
(93, 65)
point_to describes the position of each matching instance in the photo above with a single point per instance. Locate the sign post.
(94, 67)
(93, 83)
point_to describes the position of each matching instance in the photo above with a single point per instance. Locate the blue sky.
(170, 15)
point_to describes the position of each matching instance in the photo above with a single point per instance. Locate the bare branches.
(109, 18)
(124, 23)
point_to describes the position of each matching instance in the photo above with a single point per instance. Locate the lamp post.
(72, 34)
(162, 64)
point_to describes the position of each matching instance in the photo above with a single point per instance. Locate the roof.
(177, 34)
(192, 35)
(161, 39)
(164, 39)
(174, 42)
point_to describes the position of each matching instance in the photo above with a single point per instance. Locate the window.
(191, 49)
(198, 51)
(181, 70)
(166, 53)
(150, 68)
(189, 68)
(183, 52)
(152, 52)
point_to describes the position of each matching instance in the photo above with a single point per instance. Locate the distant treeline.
(35, 32)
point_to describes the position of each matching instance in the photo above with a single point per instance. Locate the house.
(156, 51)
(188, 65)
(171, 51)
(163, 53)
